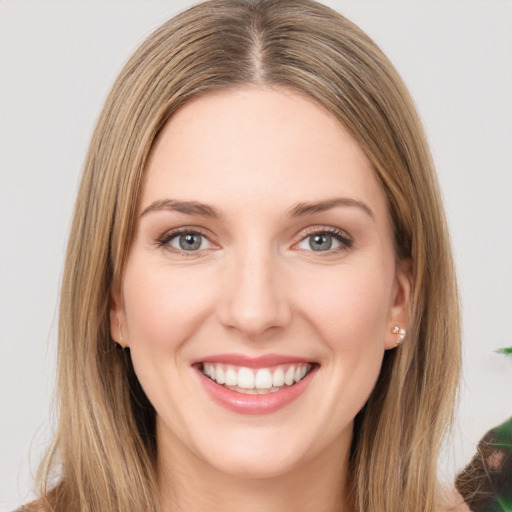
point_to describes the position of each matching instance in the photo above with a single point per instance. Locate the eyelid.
(167, 236)
(346, 241)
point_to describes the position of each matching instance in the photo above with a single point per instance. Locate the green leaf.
(505, 503)
(502, 435)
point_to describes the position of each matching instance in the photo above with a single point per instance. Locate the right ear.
(117, 315)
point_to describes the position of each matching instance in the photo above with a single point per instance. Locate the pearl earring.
(401, 334)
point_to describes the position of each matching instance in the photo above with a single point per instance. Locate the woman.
(259, 231)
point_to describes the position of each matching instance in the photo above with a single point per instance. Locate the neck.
(317, 485)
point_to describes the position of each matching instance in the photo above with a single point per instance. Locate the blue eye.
(188, 241)
(321, 242)
(325, 241)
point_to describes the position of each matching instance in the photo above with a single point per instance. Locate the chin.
(255, 464)
(248, 452)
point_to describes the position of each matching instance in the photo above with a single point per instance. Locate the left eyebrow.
(301, 209)
(186, 207)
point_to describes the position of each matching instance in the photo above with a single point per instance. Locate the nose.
(254, 299)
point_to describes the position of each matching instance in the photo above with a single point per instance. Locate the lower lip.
(255, 404)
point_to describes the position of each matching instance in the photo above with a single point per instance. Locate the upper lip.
(263, 361)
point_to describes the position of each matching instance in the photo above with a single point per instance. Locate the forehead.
(259, 147)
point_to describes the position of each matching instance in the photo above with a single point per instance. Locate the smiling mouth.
(256, 381)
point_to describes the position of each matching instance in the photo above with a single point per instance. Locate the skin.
(254, 287)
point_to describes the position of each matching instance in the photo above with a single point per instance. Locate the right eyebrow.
(321, 206)
(187, 207)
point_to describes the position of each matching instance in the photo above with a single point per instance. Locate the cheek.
(350, 315)
(347, 308)
(350, 305)
(163, 305)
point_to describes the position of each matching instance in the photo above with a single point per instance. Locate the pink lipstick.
(254, 385)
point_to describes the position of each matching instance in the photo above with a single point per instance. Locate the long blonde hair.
(103, 457)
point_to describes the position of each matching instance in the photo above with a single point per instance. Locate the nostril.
(253, 318)
(252, 300)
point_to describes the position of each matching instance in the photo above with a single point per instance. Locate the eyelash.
(170, 235)
(346, 242)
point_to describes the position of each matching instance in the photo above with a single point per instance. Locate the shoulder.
(451, 501)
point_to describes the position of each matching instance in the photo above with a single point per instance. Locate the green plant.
(486, 482)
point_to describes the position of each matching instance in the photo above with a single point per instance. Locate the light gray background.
(57, 62)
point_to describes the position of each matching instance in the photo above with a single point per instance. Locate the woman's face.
(261, 287)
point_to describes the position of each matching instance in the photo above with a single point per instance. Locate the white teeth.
(263, 379)
(219, 375)
(252, 381)
(288, 378)
(245, 378)
(209, 370)
(231, 377)
(278, 378)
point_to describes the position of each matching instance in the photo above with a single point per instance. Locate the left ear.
(400, 302)
(117, 315)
